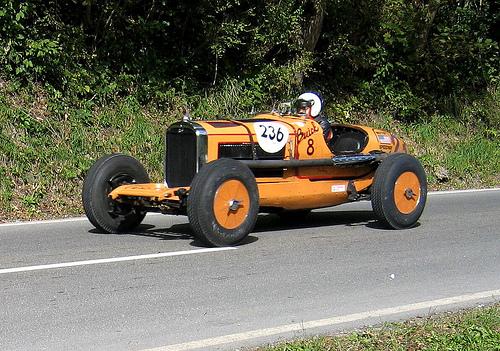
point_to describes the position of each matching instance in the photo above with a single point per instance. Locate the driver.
(310, 105)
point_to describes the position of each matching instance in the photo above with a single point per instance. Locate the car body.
(288, 168)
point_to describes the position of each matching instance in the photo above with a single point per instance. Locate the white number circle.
(271, 136)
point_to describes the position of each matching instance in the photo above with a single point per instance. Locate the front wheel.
(399, 191)
(223, 202)
(108, 173)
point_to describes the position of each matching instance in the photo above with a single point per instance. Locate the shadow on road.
(273, 222)
(266, 223)
(175, 232)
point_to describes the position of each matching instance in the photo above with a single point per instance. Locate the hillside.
(79, 80)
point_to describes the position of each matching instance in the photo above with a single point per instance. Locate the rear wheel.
(223, 202)
(106, 174)
(399, 191)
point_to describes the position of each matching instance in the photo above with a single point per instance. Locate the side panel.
(234, 138)
(302, 193)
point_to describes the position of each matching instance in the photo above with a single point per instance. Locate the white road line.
(77, 219)
(328, 322)
(112, 260)
(448, 192)
(47, 221)
(52, 221)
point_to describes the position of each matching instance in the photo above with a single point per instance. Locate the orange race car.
(222, 173)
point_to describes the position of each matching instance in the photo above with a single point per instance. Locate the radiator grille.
(180, 162)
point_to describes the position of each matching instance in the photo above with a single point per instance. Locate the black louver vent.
(180, 160)
(244, 152)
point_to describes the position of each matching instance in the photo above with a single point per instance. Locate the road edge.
(83, 218)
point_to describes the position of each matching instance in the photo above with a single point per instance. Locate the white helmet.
(317, 104)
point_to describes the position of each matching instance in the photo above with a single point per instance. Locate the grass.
(455, 154)
(475, 330)
(47, 147)
(44, 157)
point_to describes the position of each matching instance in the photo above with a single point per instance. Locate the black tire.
(202, 199)
(411, 201)
(106, 174)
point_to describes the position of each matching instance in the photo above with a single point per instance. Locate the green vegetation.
(43, 161)
(79, 79)
(477, 329)
(456, 155)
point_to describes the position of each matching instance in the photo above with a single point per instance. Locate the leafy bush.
(409, 58)
(405, 58)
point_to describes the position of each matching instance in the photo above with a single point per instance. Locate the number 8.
(310, 147)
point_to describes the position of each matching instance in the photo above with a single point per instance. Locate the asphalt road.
(337, 262)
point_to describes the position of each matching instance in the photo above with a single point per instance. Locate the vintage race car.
(222, 173)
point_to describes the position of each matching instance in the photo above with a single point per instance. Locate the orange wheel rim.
(407, 192)
(231, 204)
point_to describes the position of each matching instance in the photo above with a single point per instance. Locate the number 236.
(270, 133)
